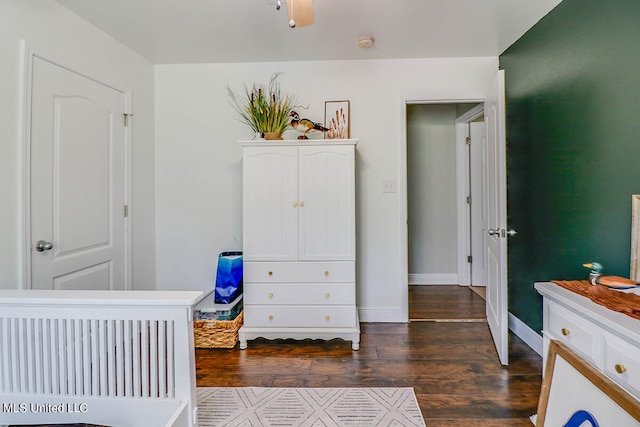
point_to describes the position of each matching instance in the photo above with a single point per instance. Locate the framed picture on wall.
(575, 394)
(336, 119)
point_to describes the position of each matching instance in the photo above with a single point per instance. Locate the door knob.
(494, 232)
(42, 246)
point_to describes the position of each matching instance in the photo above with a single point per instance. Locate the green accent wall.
(573, 146)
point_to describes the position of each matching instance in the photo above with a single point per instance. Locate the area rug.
(313, 407)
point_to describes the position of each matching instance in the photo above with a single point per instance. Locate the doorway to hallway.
(444, 198)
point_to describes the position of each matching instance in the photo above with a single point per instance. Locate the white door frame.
(463, 190)
(26, 75)
(403, 226)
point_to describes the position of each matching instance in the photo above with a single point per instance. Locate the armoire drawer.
(300, 317)
(270, 293)
(299, 272)
(327, 294)
(622, 362)
(576, 332)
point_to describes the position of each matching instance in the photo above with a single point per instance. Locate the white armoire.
(299, 239)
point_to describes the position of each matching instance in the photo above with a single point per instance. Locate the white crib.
(115, 358)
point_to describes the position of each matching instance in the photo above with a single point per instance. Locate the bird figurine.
(304, 125)
(596, 271)
(614, 282)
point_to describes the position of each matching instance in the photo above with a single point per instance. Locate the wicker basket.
(217, 333)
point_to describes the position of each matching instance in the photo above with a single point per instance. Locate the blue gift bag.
(228, 277)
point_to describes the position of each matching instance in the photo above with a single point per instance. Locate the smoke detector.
(366, 42)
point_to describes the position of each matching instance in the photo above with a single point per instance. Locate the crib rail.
(96, 344)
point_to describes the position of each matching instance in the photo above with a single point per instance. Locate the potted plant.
(265, 109)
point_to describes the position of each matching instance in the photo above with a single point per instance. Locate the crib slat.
(146, 358)
(111, 364)
(119, 358)
(4, 352)
(52, 358)
(77, 356)
(65, 356)
(136, 374)
(104, 377)
(69, 355)
(153, 362)
(21, 356)
(35, 359)
(59, 387)
(128, 380)
(27, 357)
(3, 385)
(162, 359)
(170, 361)
(86, 358)
(15, 366)
(37, 334)
(95, 360)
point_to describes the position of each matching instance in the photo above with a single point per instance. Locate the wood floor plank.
(477, 406)
(500, 385)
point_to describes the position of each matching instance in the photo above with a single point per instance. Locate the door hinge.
(126, 118)
(126, 211)
(468, 200)
(468, 140)
(469, 259)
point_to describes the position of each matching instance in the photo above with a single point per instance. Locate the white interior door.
(496, 216)
(77, 181)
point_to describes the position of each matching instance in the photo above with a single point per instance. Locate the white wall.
(198, 159)
(431, 195)
(55, 32)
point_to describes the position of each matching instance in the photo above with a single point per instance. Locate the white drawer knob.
(270, 295)
(326, 317)
(621, 369)
(326, 295)
(565, 331)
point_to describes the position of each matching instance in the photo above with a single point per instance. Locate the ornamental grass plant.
(264, 109)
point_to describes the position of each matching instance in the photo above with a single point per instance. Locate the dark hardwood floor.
(452, 364)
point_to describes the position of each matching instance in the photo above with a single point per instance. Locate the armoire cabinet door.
(270, 203)
(327, 203)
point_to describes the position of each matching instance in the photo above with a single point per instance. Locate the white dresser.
(608, 340)
(299, 240)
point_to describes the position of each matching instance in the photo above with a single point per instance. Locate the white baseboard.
(433, 279)
(526, 334)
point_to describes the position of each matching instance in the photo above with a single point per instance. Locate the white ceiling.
(197, 31)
